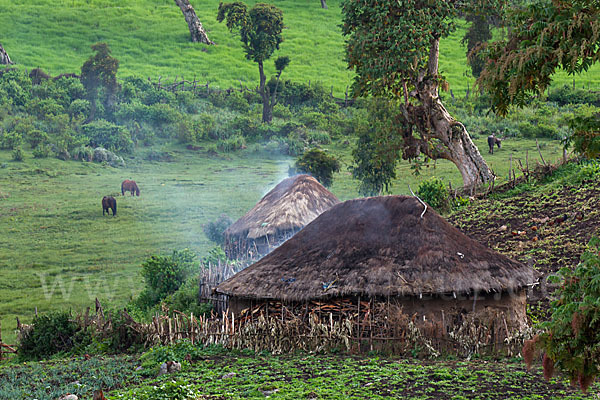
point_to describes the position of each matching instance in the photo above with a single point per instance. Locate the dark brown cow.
(130, 186)
(109, 202)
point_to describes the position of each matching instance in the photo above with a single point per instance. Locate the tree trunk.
(196, 30)
(4, 58)
(267, 115)
(433, 121)
(323, 4)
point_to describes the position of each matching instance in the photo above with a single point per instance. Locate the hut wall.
(240, 248)
(450, 311)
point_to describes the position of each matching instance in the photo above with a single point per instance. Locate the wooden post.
(510, 170)
(1, 341)
(540, 151)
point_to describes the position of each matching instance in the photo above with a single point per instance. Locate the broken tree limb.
(196, 30)
(4, 58)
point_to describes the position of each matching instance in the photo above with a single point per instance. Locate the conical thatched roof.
(290, 205)
(377, 246)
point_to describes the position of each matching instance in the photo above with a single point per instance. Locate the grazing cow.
(129, 186)
(109, 202)
(493, 140)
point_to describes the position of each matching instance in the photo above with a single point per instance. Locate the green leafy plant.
(214, 230)
(50, 333)
(570, 340)
(319, 164)
(164, 275)
(434, 192)
(17, 154)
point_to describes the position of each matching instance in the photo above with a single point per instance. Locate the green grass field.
(150, 38)
(58, 251)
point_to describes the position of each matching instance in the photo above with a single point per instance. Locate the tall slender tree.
(260, 32)
(100, 71)
(394, 48)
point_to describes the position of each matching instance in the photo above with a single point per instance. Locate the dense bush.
(585, 125)
(108, 135)
(567, 95)
(17, 154)
(570, 340)
(163, 275)
(214, 230)
(50, 334)
(434, 192)
(319, 164)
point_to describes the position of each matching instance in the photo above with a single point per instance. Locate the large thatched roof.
(377, 246)
(290, 205)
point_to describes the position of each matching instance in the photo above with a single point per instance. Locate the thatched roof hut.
(381, 248)
(378, 246)
(282, 212)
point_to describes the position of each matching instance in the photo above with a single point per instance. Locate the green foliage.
(377, 150)
(17, 154)
(478, 34)
(388, 42)
(164, 275)
(100, 71)
(108, 135)
(542, 37)
(232, 143)
(37, 137)
(568, 95)
(17, 86)
(50, 334)
(586, 132)
(10, 140)
(434, 192)
(259, 29)
(260, 32)
(214, 230)
(318, 164)
(214, 256)
(570, 339)
(185, 299)
(41, 151)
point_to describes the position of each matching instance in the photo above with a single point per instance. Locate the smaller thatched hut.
(280, 214)
(384, 251)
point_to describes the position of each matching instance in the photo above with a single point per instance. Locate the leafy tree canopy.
(260, 28)
(543, 36)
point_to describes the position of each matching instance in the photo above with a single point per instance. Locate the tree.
(394, 48)
(100, 71)
(478, 33)
(260, 32)
(377, 149)
(195, 26)
(319, 164)
(543, 36)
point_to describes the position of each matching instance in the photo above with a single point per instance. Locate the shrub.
(282, 111)
(237, 102)
(214, 230)
(567, 95)
(50, 334)
(319, 137)
(314, 120)
(41, 151)
(570, 339)
(319, 164)
(10, 140)
(164, 275)
(108, 135)
(433, 192)
(79, 108)
(233, 143)
(37, 137)
(185, 299)
(17, 154)
(585, 138)
(214, 256)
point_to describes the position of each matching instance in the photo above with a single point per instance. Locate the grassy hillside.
(151, 39)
